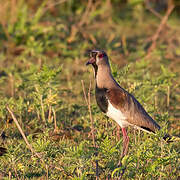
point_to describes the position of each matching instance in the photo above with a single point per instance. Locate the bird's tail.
(168, 138)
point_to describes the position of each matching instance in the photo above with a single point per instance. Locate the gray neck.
(104, 78)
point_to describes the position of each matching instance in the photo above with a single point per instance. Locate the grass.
(43, 55)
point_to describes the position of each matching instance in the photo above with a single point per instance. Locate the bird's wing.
(132, 109)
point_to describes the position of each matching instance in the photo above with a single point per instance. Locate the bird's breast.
(106, 107)
(117, 115)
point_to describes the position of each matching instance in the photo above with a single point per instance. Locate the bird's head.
(98, 57)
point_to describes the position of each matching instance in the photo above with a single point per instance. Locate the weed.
(41, 68)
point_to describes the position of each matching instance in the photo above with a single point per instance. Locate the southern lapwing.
(116, 102)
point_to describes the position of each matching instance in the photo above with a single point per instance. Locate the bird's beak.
(91, 61)
(93, 57)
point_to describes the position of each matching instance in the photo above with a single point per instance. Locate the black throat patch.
(95, 68)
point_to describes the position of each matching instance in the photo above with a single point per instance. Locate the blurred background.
(43, 78)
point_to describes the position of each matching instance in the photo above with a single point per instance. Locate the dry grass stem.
(27, 143)
(88, 102)
(22, 133)
(42, 109)
(168, 96)
(55, 122)
(159, 29)
(51, 5)
(157, 14)
(84, 20)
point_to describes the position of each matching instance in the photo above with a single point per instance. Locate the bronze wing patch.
(118, 98)
(135, 113)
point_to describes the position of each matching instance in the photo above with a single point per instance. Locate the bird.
(117, 103)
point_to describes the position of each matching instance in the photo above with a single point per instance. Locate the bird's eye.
(100, 55)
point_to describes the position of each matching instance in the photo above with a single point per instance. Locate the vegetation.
(50, 92)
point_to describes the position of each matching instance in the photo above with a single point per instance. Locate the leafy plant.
(42, 54)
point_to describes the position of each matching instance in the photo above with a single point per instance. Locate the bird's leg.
(118, 132)
(125, 142)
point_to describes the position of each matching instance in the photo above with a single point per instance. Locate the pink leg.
(118, 132)
(125, 142)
